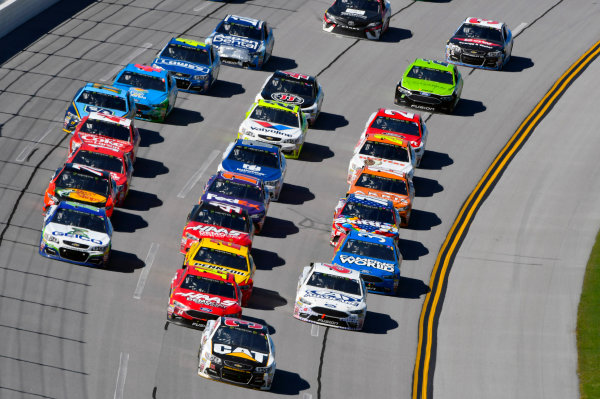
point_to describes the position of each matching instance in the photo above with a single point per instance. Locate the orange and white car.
(384, 183)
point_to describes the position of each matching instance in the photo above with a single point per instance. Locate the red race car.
(224, 222)
(115, 162)
(108, 131)
(198, 295)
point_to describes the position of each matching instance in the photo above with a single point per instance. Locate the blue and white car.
(77, 233)
(242, 41)
(194, 65)
(376, 257)
(256, 159)
(153, 89)
(97, 97)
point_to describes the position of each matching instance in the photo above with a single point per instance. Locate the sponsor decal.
(78, 233)
(388, 267)
(222, 269)
(338, 268)
(81, 195)
(138, 93)
(207, 310)
(479, 41)
(296, 75)
(334, 322)
(223, 349)
(236, 42)
(272, 126)
(354, 11)
(183, 64)
(423, 107)
(252, 168)
(241, 202)
(287, 98)
(331, 296)
(205, 299)
(215, 231)
(104, 142)
(92, 108)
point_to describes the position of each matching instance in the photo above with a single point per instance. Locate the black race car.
(361, 18)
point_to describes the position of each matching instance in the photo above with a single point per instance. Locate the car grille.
(77, 256)
(181, 75)
(370, 279)
(330, 312)
(182, 84)
(142, 107)
(424, 99)
(473, 60)
(350, 24)
(76, 244)
(196, 314)
(240, 377)
(269, 138)
(238, 366)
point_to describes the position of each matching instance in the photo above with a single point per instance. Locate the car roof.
(294, 76)
(188, 42)
(336, 270)
(239, 178)
(279, 105)
(146, 70)
(224, 246)
(109, 118)
(236, 19)
(488, 23)
(225, 207)
(198, 270)
(257, 144)
(377, 171)
(388, 139)
(426, 63)
(397, 114)
(244, 324)
(370, 200)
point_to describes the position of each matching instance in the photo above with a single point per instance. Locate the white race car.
(331, 295)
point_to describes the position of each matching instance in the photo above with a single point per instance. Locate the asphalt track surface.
(75, 332)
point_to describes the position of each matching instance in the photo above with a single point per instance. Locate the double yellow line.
(432, 306)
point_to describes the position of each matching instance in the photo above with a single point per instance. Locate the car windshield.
(241, 337)
(237, 190)
(105, 128)
(254, 156)
(83, 181)
(221, 258)
(396, 125)
(209, 286)
(385, 150)
(240, 30)
(434, 75)
(102, 100)
(275, 115)
(368, 212)
(369, 249)
(99, 161)
(142, 81)
(218, 217)
(337, 283)
(367, 5)
(185, 53)
(479, 32)
(300, 88)
(75, 218)
(382, 183)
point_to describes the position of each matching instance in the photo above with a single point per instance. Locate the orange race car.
(384, 183)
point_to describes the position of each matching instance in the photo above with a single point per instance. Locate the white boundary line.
(126, 61)
(307, 396)
(122, 373)
(146, 271)
(196, 176)
(202, 7)
(29, 147)
(314, 330)
(519, 28)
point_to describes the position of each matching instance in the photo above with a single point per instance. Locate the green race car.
(430, 85)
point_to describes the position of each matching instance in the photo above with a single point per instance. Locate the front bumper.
(358, 31)
(475, 60)
(150, 113)
(423, 101)
(380, 285)
(196, 319)
(240, 57)
(228, 372)
(71, 255)
(333, 318)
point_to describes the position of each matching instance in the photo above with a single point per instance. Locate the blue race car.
(244, 42)
(376, 257)
(153, 90)
(96, 97)
(194, 65)
(259, 160)
(76, 233)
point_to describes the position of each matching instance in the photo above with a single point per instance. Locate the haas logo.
(287, 97)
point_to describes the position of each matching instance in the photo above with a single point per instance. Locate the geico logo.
(223, 349)
(204, 299)
(236, 41)
(215, 231)
(78, 236)
(388, 267)
(333, 296)
(232, 200)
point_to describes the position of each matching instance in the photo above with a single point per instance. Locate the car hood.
(236, 41)
(476, 44)
(203, 230)
(261, 172)
(331, 298)
(272, 129)
(289, 98)
(186, 67)
(83, 196)
(362, 263)
(427, 86)
(143, 96)
(106, 142)
(370, 226)
(77, 235)
(241, 354)
(253, 207)
(207, 303)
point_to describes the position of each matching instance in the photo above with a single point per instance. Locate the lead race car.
(362, 18)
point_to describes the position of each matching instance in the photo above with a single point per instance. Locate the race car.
(430, 86)
(236, 189)
(76, 233)
(194, 65)
(218, 220)
(480, 43)
(107, 131)
(83, 184)
(359, 18)
(376, 258)
(242, 41)
(383, 183)
(107, 159)
(367, 214)
(198, 295)
(237, 351)
(96, 97)
(225, 257)
(406, 125)
(331, 295)
(294, 88)
(260, 160)
(383, 150)
(276, 123)
(152, 88)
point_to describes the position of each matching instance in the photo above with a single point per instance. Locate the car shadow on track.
(263, 299)
(141, 201)
(423, 220)
(266, 260)
(124, 262)
(149, 137)
(395, 35)
(433, 160)
(329, 121)
(466, 107)
(412, 288)
(312, 152)
(278, 228)
(280, 63)
(293, 194)
(125, 222)
(183, 117)
(518, 64)
(225, 89)
(288, 383)
(378, 323)
(412, 250)
(425, 187)
(148, 168)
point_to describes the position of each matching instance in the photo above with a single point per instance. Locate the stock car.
(194, 65)
(361, 18)
(237, 351)
(153, 90)
(331, 295)
(198, 295)
(107, 131)
(96, 97)
(385, 151)
(276, 123)
(430, 86)
(76, 233)
(367, 214)
(111, 160)
(386, 184)
(83, 184)
(406, 125)
(242, 41)
(376, 258)
(225, 257)
(236, 189)
(220, 221)
(294, 88)
(480, 43)
(256, 159)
